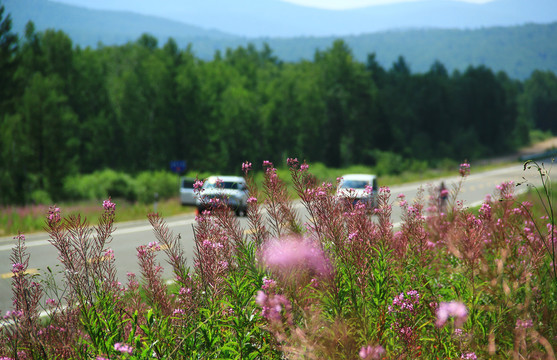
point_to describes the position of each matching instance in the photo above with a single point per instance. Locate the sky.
(354, 4)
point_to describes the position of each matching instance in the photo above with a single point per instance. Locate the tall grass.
(30, 219)
(342, 284)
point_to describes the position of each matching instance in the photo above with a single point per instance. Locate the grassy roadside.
(30, 219)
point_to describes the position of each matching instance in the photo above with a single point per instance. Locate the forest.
(67, 110)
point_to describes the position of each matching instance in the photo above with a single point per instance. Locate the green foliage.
(109, 183)
(100, 185)
(163, 183)
(537, 135)
(539, 101)
(389, 163)
(40, 197)
(135, 107)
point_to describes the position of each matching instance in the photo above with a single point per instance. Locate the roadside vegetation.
(136, 195)
(447, 284)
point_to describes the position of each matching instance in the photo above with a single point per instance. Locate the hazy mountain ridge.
(275, 18)
(84, 25)
(516, 50)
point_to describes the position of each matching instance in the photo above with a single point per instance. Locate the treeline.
(66, 110)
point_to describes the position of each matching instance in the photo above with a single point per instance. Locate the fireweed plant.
(342, 283)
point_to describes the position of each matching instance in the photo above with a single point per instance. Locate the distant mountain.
(275, 18)
(88, 27)
(517, 50)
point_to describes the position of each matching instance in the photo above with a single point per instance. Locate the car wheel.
(241, 212)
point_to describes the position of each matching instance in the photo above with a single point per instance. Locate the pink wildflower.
(292, 162)
(293, 253)
(13, 314)
(371, 352)
(178, 312)
(197, 184)
(246, 166)
(109, 253)
(524, 323)
(451, 309)
(17, 268)
(154, 245)
(268, 284)
(469, 355)
(464, 169)
(123, 348)
(185, 291)
(274, 307)
(405, 302)
(108, 205)
(54, 215)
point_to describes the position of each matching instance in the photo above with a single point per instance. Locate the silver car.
(231, 190)
(187, 195)
(359, 188)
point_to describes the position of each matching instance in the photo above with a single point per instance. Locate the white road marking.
(130, 230)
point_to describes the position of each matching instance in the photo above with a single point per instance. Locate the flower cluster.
(13, 314)
(294, 254)
(405, 302)
(109, 206)
(371, 352)
(274, 307)
(53, 215)
(124, 348)
(197, 185)
(109, 254)
(268, 284)
(464, 169)
(451, 309)
(469, 356)
(246, 167)
(524, 324)
(18, 268)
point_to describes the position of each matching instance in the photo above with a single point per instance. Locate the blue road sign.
(178, 166)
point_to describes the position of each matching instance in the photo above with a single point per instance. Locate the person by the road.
(443, 197)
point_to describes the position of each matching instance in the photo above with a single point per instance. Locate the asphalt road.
(130, 235)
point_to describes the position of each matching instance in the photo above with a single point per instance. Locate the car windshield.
(221, 185)
(354, 184)
(188, 184)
